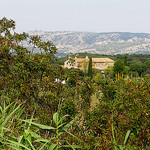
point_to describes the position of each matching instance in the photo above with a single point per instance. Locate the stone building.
(102, 63)
(79, 63)
(82, 63)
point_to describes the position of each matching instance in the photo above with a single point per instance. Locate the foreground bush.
(125, 105)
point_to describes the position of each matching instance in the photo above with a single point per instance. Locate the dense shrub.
(125, 104)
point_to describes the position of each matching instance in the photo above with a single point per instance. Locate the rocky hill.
(99, 43)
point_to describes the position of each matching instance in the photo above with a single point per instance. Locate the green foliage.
(128, 101)
(28, 78)
(60, 128)
(126, 60)
(118, 66)
(90, 73)
(68, 107)
(126, 70)
(97, 78)
(86, 91)
(139, 68)
(16, 133)
(109, 71)
(8, 115)
(72, 77)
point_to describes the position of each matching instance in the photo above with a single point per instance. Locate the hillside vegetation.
(98, 43)
(89, 111)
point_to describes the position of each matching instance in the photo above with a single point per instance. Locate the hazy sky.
(78, 15)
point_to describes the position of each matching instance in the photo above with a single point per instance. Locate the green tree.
(90, 72)
(118, 66)
(138, 67)
(27, 76)
(126, 69)
(126, 60)
(147, 63)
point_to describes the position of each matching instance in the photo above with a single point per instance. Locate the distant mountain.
(100, 43)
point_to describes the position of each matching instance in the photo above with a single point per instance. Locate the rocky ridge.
(100, 43)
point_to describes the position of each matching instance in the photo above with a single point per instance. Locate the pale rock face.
(100, 43)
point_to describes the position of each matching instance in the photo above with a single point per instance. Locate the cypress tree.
(90, 73)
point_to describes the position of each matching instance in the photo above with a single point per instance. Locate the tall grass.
(18, 134)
